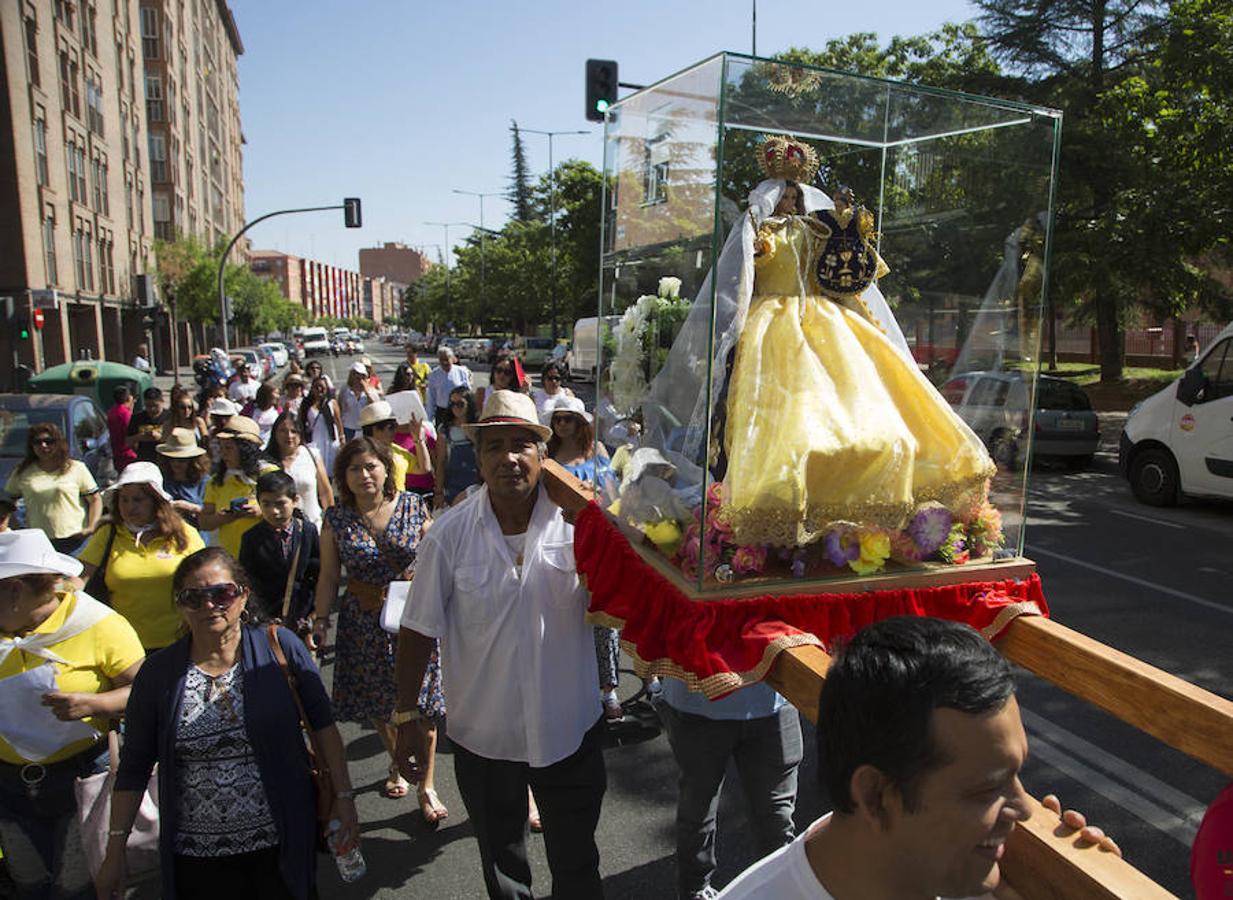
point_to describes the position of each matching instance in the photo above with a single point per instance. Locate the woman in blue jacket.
(237, 805)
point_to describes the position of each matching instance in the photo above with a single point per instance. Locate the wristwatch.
(403, 716)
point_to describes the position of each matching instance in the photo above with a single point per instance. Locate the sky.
(399, 102)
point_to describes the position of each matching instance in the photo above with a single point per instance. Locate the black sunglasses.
(552, 378)
(458, 403)
(44, 442)
(220, 596)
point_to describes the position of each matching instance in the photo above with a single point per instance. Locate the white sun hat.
(564, 403)
(140, 473)
(28, 551)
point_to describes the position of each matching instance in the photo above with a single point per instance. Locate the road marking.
(1129, 515)
(1159, 804)
(1112, 573)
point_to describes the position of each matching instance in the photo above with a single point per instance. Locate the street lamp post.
(483, 266)
(449, 298)
(552, 213)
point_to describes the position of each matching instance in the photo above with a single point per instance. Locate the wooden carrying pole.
(1043, 860)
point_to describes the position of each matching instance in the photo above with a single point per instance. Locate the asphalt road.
(1153, 583)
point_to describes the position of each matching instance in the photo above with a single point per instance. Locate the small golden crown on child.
(783, 156)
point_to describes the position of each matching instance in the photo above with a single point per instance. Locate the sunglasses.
(44, 442)
(187, 407)
(458, 403)
(503, 370)
(220, 596)
(562, 419)
(388, 425)
(552, 378)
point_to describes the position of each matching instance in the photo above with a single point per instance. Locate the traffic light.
(38, 318)
(351, 212)
(601, 87)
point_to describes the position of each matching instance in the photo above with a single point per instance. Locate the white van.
(1180, 440)
(316, 342)
(586, 346)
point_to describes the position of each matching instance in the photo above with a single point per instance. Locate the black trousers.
(244, 876)
(568, 793)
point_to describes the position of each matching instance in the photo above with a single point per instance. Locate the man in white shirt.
(495, 580)
(244, 389)
(441, 381)
(919, 746)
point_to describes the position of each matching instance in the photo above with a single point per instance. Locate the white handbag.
(391, 608)
(94, 817)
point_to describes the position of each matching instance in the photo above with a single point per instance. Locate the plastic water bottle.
(351, 865)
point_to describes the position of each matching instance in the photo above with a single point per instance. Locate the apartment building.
(326, 290)
(79, 160)
(394, 261)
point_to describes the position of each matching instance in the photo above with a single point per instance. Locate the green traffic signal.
(601, 106)
(25, 333)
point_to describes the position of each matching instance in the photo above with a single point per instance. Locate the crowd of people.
(252, 523)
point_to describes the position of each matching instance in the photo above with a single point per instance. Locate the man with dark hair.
(145, 428)
(920, 745)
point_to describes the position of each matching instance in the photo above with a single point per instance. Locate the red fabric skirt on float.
(718, 645)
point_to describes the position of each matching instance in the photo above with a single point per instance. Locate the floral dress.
(364, 677)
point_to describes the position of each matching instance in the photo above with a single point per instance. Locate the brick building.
(394, 261)
(77, 177)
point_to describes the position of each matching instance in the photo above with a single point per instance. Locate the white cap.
(359, 369)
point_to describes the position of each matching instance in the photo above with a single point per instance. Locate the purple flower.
(930, 528)
(749, 560)
(841, 547)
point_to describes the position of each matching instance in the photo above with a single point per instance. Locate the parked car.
(533, 351)
(281, 355)
(451, 342)
(78, 417)
(258, 363)
(995, 406)
(1179, 441)
(295, 350)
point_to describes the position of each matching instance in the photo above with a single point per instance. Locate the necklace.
(370, 515)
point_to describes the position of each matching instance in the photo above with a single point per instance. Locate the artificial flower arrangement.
(635, 338)
(933, 534)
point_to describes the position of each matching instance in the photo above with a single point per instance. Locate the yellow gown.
(827, 421)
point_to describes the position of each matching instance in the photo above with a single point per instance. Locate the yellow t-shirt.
(221, 495)
(94, 658)
(53, 500)
(404, 461)
(139, 579)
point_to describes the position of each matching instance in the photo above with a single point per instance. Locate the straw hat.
(180, 444)
(141, 473)
(563, 403)
(27, 551)
(240, 428)
(508, 408)
(373, 413)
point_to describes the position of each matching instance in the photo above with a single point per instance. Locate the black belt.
(31, 775)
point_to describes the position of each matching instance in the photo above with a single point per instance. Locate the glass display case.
(820, 308)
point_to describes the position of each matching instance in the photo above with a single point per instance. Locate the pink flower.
(749, 560)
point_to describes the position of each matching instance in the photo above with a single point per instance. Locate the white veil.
(675, 412)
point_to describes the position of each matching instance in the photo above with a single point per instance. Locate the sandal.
(431, 807)
(396, 787)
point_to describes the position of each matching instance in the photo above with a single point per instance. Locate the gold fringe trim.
(791, 528)
(711, 686)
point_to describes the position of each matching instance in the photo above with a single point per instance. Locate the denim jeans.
(39, 834)
(767, 752)
(568, 793)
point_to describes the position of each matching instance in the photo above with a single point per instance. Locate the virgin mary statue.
(821, 417)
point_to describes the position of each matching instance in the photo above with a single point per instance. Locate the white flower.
(669, 287)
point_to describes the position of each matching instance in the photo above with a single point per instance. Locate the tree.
(1083, 56)
(520, 179)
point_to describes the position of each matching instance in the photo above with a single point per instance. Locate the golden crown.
(782, 156)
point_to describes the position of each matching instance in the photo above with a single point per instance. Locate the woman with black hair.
(287, 450)
(230, 498)
(320, 420)
(551, 389)
(455, 465)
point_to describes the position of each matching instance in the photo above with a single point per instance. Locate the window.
(120, 67)
(655, 179)
(89, 31)
(149, 32)
(163, 228)
(105, 200)
(1217, 369)
(75, 153)
(64, 12)
(94, 104)
(69, 95)
(87, 253)
(32, 49)
(154, 98)
(158, 158)
(188, 176)
(128, 200)
(106, 265)
(40, 148)
(79, 259)
(49, 245)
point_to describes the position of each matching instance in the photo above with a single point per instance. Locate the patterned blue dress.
(365, 686)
